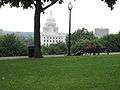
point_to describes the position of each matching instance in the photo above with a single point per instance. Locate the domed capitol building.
(50, 33)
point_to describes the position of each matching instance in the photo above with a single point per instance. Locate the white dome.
(50, 25)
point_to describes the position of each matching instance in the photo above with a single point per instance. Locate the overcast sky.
(90, 14)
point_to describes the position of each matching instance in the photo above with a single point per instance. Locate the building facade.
(100, 32)
(50, 33)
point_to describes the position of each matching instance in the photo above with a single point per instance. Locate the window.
(44, 40)
(47, 40)
(53, 40)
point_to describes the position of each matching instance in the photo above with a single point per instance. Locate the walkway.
(8, 58)
(19, 57)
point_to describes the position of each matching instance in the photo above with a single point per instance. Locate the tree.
(80, 38)
(40, 6)
(110, 3)
(10, 45)
(111, 41)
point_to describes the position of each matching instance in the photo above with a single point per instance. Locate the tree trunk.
(37, 40)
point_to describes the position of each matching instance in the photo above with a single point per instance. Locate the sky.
(89, 14)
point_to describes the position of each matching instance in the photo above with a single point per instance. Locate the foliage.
(10, 45)
(80, 38)
(55, 49)
(110, 3)
(40, 6)
(28, 3)
(111, 41)
(61, 73)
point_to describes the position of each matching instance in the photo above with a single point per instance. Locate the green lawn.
(61, 73)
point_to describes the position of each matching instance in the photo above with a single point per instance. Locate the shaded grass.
(61, 73)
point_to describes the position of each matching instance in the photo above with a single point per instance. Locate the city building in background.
(18, 34)
(50, 34)
(100, 32)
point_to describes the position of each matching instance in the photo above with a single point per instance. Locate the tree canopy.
(110, 3)
(40, 6)
(29, 3)
(10, 45)
(111, 41)
(80, 38)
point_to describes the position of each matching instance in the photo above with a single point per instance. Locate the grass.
(61, 73)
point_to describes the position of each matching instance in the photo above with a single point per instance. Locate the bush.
(10, 45)
(55, 49)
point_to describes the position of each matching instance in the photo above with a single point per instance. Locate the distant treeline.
(11, 45)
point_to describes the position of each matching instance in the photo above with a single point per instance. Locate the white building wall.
(50, 33)
(47, 39)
